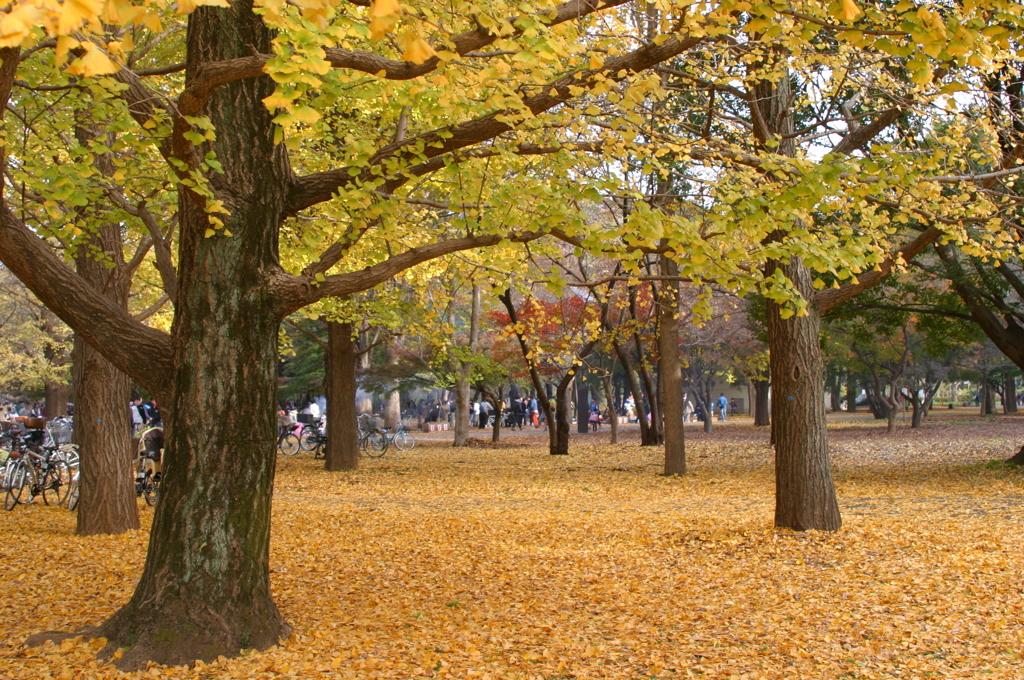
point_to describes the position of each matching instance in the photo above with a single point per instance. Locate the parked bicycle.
(31, 471)
(313, 437)
(148, 464)
(380, 440)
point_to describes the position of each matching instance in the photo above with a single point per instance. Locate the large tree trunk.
(342, 427)
(805, 496)
(582, 407)
(761, 415)
(205, 588)
(851, 393)
(988, 398)
(670, 373)
(102, 431)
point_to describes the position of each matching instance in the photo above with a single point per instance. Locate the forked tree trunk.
(762, 417)
(709, 414)
(205, 589)
(670, 372)
(805, 496)
(562, 424)
(653, 435)
(342, 427)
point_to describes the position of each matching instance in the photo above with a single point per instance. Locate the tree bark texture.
(582, 407)
(205, 588)
(103, 423)
(57, 396)
(342, 427)
(106, 503)
(762, 417)
(805, 496)
(670, 373)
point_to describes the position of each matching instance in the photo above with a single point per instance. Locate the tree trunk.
(634, 389)
(107, 503)
(342, 427)
(562, 426)
(709, 414)
(761, 415)
(851, 393)
(464, 374)
(582, 406)
(538, 384)
(988, 398)
(805, 496)
(613, 416)
(654, 431)
(57, 396)
(1009, 393)
(918, 413)
(205, 589)
(670, 374)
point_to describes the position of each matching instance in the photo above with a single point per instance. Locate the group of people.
(522, 411)
(723, 405)
(144, 414)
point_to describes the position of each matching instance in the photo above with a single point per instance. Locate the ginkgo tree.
(272, 93)
(290, 111)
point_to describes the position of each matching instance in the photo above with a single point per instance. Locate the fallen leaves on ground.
(509, 563)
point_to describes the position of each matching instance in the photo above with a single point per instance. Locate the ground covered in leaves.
(509, 563)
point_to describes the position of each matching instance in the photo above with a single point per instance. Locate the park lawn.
(509, 563)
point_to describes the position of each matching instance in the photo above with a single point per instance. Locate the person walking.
(723, 406)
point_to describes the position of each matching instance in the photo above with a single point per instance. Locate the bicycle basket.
(153, 442)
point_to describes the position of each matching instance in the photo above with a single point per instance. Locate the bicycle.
(148, 465)
(381, 440)
(29, 474)
(288, 442)
(313, 438)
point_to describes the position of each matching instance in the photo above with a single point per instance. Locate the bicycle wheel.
(288, 444)
(309, 440)
(73, 493)
(378, 445)
(22, 488)
(57, 483)
(404, 441)
(150, 490)
(15, 482)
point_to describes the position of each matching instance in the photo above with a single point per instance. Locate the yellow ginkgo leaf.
(383, 17)
(93, 63)
(64, 44)
(75, 13)
(16, 25)
(850, 10)
(187, 6)
(415, 48)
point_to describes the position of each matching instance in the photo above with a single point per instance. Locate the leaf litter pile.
(510, 563)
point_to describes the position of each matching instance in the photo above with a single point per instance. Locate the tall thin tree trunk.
(670, 374)
(538, 384)
(988, 397)
(851, 393)
(654, 431)
(342, 427)
(464, 374)
(634, 389)
(613, 416)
